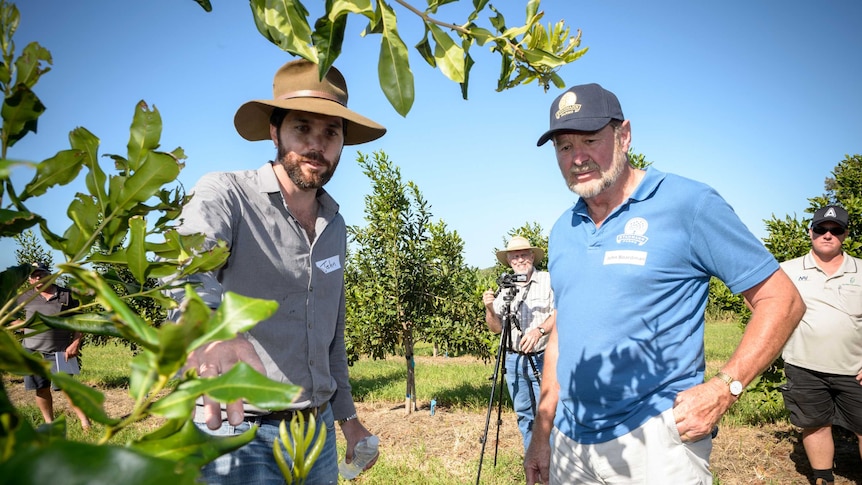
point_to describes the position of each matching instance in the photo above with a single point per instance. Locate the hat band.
(308, 93)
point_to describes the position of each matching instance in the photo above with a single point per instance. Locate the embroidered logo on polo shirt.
(634, 232)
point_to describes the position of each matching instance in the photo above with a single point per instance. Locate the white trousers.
(650, 454)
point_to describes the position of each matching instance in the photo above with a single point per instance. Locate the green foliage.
(405, 277)
(528, 52)
(114, 212)
(723, 305)
(638, 160)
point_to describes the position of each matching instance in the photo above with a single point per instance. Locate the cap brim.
(580, 124)
(252, 118)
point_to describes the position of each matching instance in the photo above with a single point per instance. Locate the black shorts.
(817, 399)
(34, 382)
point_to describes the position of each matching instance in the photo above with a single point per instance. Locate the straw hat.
(297, 86)
(518, 243)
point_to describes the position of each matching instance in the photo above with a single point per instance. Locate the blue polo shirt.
(631, 297)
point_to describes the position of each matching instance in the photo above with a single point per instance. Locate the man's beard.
(592, 188)
(314, 180)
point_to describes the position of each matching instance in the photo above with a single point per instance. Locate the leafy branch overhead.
(530, 52)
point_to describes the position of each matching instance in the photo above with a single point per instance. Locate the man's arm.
(491, 317)
(537, 460)
(777, 309)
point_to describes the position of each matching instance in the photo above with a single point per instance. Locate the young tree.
(31, 250)
(405, 276)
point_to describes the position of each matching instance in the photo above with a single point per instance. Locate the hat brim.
(579, 124)
(252, 118)
(538, 254)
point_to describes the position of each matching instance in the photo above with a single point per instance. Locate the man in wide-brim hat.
(288, 243)
(524, 312)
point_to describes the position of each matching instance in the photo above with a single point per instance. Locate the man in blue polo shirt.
(630, 266)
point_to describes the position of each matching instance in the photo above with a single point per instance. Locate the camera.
(508, 280)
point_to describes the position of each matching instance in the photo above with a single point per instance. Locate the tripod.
(499, 371)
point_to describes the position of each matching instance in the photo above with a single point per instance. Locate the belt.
(528, 354)
(288, 414)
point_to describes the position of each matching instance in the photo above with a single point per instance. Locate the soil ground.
(770, 454)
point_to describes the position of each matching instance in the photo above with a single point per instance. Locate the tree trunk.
(410, 399)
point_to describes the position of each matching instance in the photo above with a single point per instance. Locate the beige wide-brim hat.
(297, 85)
(518, 243)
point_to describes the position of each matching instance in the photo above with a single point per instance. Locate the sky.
(760, 99)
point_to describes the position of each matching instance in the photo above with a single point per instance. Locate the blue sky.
(759, 99)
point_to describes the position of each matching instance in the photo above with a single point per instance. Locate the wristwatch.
(734, 385)
(541, 330)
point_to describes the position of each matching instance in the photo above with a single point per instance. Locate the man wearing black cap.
(823, 358)
(287, 242)
(623, 394)
(53, 344)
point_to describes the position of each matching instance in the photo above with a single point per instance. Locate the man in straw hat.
(530, 310)
(288, 244)
(624, 397)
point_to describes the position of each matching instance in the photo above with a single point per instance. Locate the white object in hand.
(363, 453)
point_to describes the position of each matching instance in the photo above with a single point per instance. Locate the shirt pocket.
(850, 297)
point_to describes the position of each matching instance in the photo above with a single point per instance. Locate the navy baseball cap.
(831, 213)
(588, 107)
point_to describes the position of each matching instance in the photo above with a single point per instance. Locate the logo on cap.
(830, 212)
(568, 105)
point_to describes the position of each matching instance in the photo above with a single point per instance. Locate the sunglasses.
(836, 231)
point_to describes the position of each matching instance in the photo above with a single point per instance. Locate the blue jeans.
(253, 464)
(524, 389)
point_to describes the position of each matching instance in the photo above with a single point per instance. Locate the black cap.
(588, 107)
(39, 266)
(831, 213)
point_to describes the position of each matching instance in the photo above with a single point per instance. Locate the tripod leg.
(499, 370)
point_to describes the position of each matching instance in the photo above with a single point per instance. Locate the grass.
(457, 384)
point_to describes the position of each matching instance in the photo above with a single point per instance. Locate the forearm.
(550, 389)
(493, 321)
(777, 309)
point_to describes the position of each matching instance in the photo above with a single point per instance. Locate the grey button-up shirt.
(271, 258)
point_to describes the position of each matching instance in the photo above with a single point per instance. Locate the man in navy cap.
(823, 358)
(630, 266)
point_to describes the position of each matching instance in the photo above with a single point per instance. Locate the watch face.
(736, 388)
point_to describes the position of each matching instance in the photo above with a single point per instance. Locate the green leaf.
(191, 446)
(90, 323)
(174, 341)
(240, 382)
(29, 65)
(20, 111)
(328, 37)
(86, 142)
(136, 252)
(144, 134)
(424, 48)
(85, 216)
(15, 360)
(393, 67)
(235, 314)
(88, 399)
(449, 55)
(71, 462)
(285, 24)
(60, 169)
(14, 222)
(156, 170)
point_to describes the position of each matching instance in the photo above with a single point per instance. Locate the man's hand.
(216, 358)
(699, 409)
(537, 461)
(354, 432)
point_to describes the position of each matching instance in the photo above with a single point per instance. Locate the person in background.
(624, 399)
(49, 299)
(823, 358)
(531, 319)
(287, 242)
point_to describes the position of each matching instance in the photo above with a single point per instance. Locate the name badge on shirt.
(329, 264)
(637, 258)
